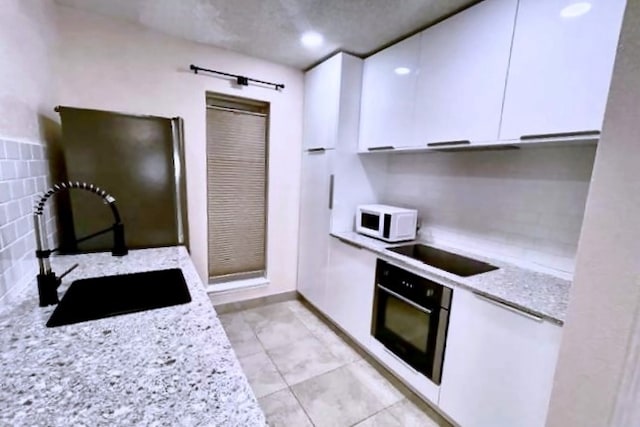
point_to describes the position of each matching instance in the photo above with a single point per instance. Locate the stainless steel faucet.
(47, 281)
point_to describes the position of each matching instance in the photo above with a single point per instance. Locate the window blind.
(236, 187)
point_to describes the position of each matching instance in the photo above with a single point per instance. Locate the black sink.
(447, 261)
(90, 299)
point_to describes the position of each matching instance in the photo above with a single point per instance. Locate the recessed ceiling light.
(575, 9)
(402, 71)
(311, 39)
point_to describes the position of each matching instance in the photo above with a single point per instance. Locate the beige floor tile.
(257, 317)
(295, 305)
(263, 376)
(243, 340)
(336, 399)
(303, 359)
(381, 419)
(283, 410)
(379, 385)
(246, 346)
(309, 319)
(417, 414)
(333, 385)
(285, 329)
(301, 310)
(343, 351)
(234, 325)
(275, 325)
(336, 345)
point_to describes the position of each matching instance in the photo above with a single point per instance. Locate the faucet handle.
(73, 267)
(48, 284)
(119, 246)
(48, 288)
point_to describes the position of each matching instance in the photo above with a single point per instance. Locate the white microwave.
(387, 223)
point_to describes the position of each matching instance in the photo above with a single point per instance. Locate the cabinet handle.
(385, 147)
(448, 143)
(509, 307)
(500, 147)
(560, 135)
(404, 299)
(331, 182)
(316, 150)
(347, 242)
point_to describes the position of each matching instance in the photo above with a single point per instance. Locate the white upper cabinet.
(321, 104)
(463, 72)
(561, 66)
(388, 96)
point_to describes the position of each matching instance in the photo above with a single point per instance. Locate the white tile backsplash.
(23, 176)
(525, 205)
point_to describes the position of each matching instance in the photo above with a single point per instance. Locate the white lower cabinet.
(499, 364)
(349, 295)
(349, 288)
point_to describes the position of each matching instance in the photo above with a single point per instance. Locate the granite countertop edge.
(536, 293)
(168, 366)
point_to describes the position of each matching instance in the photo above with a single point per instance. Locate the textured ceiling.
(270, 29)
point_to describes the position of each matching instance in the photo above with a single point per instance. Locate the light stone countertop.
(172, 366)
(537, 293)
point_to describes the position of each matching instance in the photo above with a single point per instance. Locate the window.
(237, 153)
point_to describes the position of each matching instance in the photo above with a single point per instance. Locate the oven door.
(410, 331)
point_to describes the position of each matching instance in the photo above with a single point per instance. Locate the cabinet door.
(388, 96)
(463, 72)
(349, 291)
(321, 102)
(499, 365)
(560, 68)
(315, 219)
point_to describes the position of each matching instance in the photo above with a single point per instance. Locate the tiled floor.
(305, 374)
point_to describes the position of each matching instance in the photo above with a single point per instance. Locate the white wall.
(605, 296)
(26, 37)
(525, 205)
(112, 65)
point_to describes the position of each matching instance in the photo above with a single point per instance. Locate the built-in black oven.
(410, 318)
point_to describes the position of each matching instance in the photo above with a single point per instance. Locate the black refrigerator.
(139, 160)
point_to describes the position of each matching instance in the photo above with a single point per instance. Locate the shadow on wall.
(51, 132)
(539, 163)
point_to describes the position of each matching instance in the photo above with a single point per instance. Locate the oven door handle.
(405, 299)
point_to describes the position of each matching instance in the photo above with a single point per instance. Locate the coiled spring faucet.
(47, 281)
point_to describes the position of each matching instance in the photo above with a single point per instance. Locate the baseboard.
(231, 307)
(237, 285)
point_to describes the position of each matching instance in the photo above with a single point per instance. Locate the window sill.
(237, 285)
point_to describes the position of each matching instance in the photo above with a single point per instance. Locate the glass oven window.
(406, 322)
(370, 221)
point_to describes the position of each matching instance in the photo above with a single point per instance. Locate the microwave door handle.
(404, 299)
